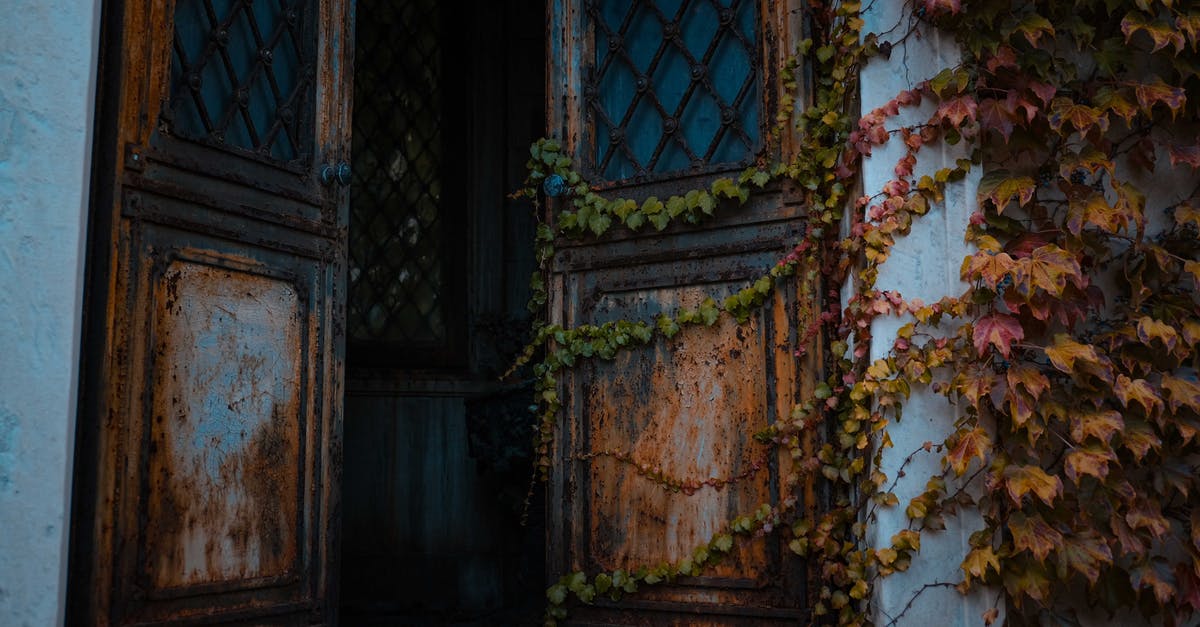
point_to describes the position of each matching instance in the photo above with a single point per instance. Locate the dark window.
(405, 289)
(675, 86)
(242, 75)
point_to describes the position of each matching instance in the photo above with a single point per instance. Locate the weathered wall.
(47, 73)
(924, 265)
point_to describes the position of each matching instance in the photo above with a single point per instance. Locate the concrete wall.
(48, 52)
(924, 265)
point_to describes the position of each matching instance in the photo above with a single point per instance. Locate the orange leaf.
(1101, 424)
(1027, 580)
(1020, 480)
(1156, 576)
(1048, 267)
(1150, 94)
(1182, 392)
(1146, 514)
(1140, 439)
(987, 267)
(1091, 460)
(1066, 351)
(1110, 99)
(979, 561)
(1033, 534)
(1150, 329)
(1161, 32)
(1137, 390)
(1079, 116)
(1028, 377)
(967, 446)
(1085, 552)
(1000, 188)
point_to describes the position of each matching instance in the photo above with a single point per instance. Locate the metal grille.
(242, 74)
(675, 85)
(396, 218)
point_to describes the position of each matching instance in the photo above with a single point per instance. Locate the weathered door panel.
(685, 408)
(208, 468)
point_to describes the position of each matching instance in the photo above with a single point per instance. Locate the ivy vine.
(1070, 356)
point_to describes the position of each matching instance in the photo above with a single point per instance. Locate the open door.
(654, 99)
(209, 452)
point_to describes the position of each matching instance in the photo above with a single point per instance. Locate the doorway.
(447, 97)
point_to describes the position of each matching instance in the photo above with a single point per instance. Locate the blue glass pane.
(675, 85)
(241, 74)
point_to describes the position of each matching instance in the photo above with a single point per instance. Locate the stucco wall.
(924, 264)
(47, 67)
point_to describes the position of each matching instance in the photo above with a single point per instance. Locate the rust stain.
(225, 443)
(686, 408)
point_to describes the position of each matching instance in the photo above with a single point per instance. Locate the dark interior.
(447, 98)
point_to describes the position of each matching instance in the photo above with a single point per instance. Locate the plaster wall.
(48, 51)
(924, 264)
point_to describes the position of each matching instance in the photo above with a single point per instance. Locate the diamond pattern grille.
(396, 255)
(675, 85)
(242, 74)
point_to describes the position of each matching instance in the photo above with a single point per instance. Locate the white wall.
(48, 52)
(924, 265)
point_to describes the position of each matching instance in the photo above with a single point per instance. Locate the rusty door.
(209, 449)
(654, 99)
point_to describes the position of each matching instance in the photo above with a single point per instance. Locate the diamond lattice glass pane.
(242, 74)
(395, 216)
(675, 85)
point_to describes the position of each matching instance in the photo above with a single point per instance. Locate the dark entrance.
(447, 97)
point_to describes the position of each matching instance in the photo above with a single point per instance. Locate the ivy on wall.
(1070, 357)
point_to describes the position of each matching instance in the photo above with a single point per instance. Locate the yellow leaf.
(1020, 480)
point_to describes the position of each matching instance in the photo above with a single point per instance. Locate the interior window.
(402, 295)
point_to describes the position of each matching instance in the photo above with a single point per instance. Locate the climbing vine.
(1070, 357)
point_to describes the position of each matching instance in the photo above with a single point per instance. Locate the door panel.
(686, 408)
(208, 464)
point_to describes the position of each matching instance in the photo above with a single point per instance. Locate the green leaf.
(635, 220)
(709, 312)
(667, 326)
(660, 221)
(599, 223)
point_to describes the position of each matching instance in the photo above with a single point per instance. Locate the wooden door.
(654, 99)
(209, 450)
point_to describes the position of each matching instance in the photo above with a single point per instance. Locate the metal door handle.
(339, 173)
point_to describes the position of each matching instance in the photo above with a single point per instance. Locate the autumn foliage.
(1071, 356)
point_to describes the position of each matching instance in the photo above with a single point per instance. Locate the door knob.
(339, 174)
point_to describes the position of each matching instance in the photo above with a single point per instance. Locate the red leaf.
(999, 330)
(995, 115)
(1188, 155)
(956, 110)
